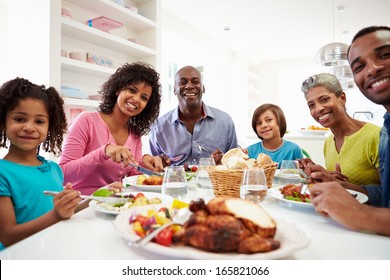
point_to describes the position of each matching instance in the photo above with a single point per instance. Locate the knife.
(144, 170)
(105, 199)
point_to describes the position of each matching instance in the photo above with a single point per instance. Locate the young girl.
(100, 145)
(31, 117)
(269, 124)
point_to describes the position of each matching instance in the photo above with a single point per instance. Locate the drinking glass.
(175, 182)
(289, 172)
(254, 185)
(202, 179)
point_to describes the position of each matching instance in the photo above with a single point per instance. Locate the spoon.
(179, 218)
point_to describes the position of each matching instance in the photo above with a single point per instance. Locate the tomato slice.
(139, 195)
(165, 237)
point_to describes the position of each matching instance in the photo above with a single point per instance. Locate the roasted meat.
(229, 225)
(153, 180)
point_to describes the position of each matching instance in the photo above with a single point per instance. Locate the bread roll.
(251, 163)
(233, 152)
(221, 167)
(236, 162)
(253, 216)
(263, 159)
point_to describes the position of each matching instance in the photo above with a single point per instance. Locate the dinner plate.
(132, 181)
(110, 209)
(313, 132)
(275, 192)
(290, 236)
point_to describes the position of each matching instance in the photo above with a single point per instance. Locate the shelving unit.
(137, 40)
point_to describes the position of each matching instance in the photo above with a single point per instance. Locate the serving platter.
(107, 208)
(290, 236)
(275, 192)
(313, 132)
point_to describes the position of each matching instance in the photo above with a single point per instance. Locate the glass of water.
(254, 185)
(175, 182)
(289, 172)
(202, 179)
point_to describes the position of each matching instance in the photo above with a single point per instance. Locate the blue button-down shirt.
(169, 135)
(380, 195)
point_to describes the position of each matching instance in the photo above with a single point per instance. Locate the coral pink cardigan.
(83, 158)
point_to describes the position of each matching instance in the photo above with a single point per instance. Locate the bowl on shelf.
(76, 56)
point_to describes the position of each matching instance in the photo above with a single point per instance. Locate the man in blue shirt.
(192, 130)
(369, 58)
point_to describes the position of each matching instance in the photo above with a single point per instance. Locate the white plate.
(108, 209)
(313, 132)
(290, 236)
(275, 192)
(132, 181)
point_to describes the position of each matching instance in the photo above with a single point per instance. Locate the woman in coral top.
(100, 145)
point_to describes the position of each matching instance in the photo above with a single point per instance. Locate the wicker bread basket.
(227, 182)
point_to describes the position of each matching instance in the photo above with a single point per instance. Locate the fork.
(179, 218)
(303, 189)
(304, 186)
(201, 148)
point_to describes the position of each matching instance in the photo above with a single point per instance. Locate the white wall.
(184, 46)
(282, 85)
(25, 27)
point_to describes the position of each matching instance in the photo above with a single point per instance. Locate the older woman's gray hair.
(326, 80)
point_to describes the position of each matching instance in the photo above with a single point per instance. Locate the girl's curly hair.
(130, 74)
(13, 91)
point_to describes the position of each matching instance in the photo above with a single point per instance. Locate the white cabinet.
(138, 39)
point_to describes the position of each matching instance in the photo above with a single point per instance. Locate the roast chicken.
(153, 180)
(229, 225)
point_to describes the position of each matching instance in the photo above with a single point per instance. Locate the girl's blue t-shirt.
(25, 186)
(288, 150)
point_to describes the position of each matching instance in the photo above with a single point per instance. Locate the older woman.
(353, 147)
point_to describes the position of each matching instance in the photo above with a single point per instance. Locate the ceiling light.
(332, 54)
(344, 75)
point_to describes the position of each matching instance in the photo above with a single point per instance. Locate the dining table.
(92, 235)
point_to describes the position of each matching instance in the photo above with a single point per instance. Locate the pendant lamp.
(344, 75)
(333, 54)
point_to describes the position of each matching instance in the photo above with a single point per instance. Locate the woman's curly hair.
(11, 94)
(130, 74)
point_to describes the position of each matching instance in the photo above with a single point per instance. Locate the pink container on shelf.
(103, 23)
(74, 112)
